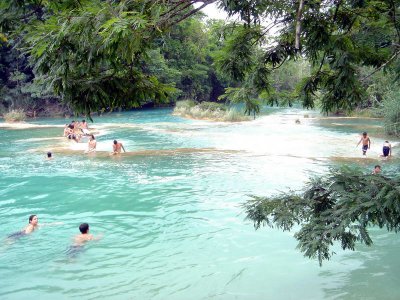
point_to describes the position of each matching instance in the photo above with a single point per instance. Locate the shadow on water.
(74, 251)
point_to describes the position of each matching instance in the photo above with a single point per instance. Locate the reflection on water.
(170, 210)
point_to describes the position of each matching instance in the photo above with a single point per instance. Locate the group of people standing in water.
(76, 130)
(365, 141)
(366, 144)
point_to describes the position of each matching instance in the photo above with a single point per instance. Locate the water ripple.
(170, 217)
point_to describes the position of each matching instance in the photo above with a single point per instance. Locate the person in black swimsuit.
(387, 149)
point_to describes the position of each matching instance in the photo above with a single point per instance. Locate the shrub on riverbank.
(366, 113)
(208, 111)
(391, 112)
(15, 115)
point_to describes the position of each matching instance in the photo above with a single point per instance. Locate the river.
(170, 210)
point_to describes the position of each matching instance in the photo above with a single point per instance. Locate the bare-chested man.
(81, 239)
(366, 143)
(84, 127)
(91, 144)
(117, 148)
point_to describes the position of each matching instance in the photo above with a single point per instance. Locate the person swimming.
(79, 241)
(32, 226)
(377, 170)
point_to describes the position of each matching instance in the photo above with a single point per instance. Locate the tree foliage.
(187, 49)
(17, 89)
(337, 37)
(93, 56)
(99, 54)
(391, 111)
(336, 208)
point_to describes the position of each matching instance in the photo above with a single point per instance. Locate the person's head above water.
(49, 155)
(84, 228)
(115, 142)
(377, 169)
(33, 219)
(364, 133)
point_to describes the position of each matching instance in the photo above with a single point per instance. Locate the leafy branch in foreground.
(338, 207)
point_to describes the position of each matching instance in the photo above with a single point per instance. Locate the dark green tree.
(17, 88)
(335, 36)
(335, 208)
(94, 53)
(186, 49)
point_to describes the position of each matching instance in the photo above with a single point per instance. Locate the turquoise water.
(169, 211)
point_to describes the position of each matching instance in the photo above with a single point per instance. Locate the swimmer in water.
(49, 156)
(80, 240)
(85, 236)
(377, 170)
(32, 226)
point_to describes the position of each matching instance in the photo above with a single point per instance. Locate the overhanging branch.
(382, 66)
(180, 12)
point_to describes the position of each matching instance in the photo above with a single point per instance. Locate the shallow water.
(170, 213)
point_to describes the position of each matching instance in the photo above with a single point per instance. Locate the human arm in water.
(359, 142)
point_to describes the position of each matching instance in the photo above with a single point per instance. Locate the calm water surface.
(170, 213)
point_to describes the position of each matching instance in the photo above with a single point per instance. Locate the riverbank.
(209, 111)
